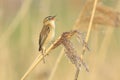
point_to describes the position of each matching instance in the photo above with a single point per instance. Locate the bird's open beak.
(53, 18)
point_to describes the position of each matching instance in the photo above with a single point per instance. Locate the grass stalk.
(37, 60)
(90, 24)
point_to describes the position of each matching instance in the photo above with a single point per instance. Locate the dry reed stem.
(38, 59)
(56, 64)
(90, 24)
(13, 25)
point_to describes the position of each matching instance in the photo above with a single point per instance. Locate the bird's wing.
(43, 36)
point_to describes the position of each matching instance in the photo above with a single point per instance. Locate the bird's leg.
(43, 51)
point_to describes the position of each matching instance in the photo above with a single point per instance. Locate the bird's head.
(49, 20)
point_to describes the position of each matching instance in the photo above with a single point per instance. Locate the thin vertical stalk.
(90, 24)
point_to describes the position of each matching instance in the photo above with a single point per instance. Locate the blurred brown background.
(20, 25)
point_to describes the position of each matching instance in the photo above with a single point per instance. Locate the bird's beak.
(53, 18)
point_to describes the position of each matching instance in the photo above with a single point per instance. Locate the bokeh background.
(20, 25)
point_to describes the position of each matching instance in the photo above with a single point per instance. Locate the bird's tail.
(42, 51)
(40, 48)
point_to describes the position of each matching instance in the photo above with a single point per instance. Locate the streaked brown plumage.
(47, 33)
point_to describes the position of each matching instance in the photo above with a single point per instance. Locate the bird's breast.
(51, 35)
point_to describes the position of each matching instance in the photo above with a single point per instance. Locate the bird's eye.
(49, 18)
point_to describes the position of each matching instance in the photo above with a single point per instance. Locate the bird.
(47, 33)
